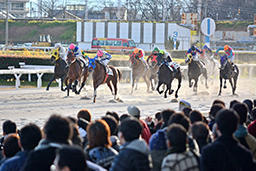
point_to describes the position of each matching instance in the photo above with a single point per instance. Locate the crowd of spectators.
(223, 139)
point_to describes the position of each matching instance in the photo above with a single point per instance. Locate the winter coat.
(252, 128)
(15, 163)
(179, 161)
(226, 154)
(146, 134)
(134, 156)
(102, 156)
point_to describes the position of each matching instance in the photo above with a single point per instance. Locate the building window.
(17, 6)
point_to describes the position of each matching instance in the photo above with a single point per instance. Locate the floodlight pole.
(6, 23)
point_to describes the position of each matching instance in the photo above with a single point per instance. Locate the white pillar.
(17, 82)
(39, 79)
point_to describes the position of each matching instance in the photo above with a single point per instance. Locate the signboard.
(208, 26)
(189, 18)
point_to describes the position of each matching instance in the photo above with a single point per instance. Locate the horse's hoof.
(160, 92)
(47, 89)
(234, 94)
(206, 87)
(176, 96)
(112, 101)
(119, 100)
(174, 101)
(77, 92)
(225, 87)
(85, 98)
(171, 92)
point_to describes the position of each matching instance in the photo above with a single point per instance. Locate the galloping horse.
(139, 70)
(212, 66)
(194, 71)
(227, 72)
(152, 73)
(166, 76)
(60, 69)
(75, 73)
(99, 77)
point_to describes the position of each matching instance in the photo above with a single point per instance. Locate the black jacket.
(226, 154)
(134, 156)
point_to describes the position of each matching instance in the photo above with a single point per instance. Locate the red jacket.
(145, 131)
(252, 128)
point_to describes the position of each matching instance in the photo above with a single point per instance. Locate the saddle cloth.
(172, 65)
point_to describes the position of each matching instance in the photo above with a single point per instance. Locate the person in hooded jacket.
(134, 153)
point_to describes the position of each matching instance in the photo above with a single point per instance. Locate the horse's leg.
(190, 82)
(61, 83)
(159, 84)
(147, 82)
(235, 82)
(74, 86)
(168, 86)
(220, 85)
(48, 86)
(195, 85)
(179, 85)
(225, 86)
(232, 86)
(133, 81)
(114, 82)
(206, 77)
(170, 89)
(110, 87)
(69, 86)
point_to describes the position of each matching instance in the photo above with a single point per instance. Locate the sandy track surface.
(36, 105)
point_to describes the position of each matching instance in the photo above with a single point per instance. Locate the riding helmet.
(193, 48)
(226, 47)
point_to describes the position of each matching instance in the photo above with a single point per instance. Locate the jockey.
(167, 59)
(229, 52)
(104, 58)
(207, 51)
(62, 51)
(77, 52)
(193, 51)
(154, 56)
(140, 54)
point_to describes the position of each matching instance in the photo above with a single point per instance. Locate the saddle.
(108, 70)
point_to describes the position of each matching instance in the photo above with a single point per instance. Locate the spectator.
(180, 118)
(186, 111)
(241, 133)
(135, 154)
(157, 143)
(220, 102)
(124, 116)
(212, 114)
(249, 104)
(84, 118)
(183, 104)
(76, 138)
(112, 123)
(58, 132)
(151, 124)
(252, 126)
(195, 116)
(232, 103)
(71, 159)
(135, 112)
(226, 153)
(115, 115)
(200, 132)
(10, 147)
(30, 135)
(178, 156)
(158, 121)
(99, 148)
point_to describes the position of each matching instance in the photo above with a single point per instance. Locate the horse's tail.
(119, 74)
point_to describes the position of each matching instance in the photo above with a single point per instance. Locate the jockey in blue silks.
(207, 51)
(77, 52)
(193, 51)
(229, 53)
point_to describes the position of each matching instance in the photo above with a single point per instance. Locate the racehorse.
(60, 69)
(212, 66)
(139, 70)
(99, 77)
(194, 71)
(75, 73)
(227, 72)
(152, 72)
(166, 76)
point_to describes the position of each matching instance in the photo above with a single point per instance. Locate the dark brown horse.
(76, 73)
(139, 70)
(99, 77)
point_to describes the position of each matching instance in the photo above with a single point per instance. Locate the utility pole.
(200, 20)
(86, 10)
(6, 23)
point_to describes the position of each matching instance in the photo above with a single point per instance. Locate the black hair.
(112, 123)
(131, 129)
(218, 101)
(195, 116)
(232, 103)
(242, 110)
(58, 129)
(200, 131)
(158, 116)
(177, 136)
(186, 111)
(114, 114)
(30, 135)
(124, 116)
(227, 121)
(72, 157)
(214, 109)
(166, 114)
(180, 118)
(249, 104)
(9, 127)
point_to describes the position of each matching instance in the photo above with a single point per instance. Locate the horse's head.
(189, 58)
(223, 61)
(91, 64)
(71, 57)
(55, 55)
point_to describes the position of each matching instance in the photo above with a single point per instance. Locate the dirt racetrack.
(36, 105)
